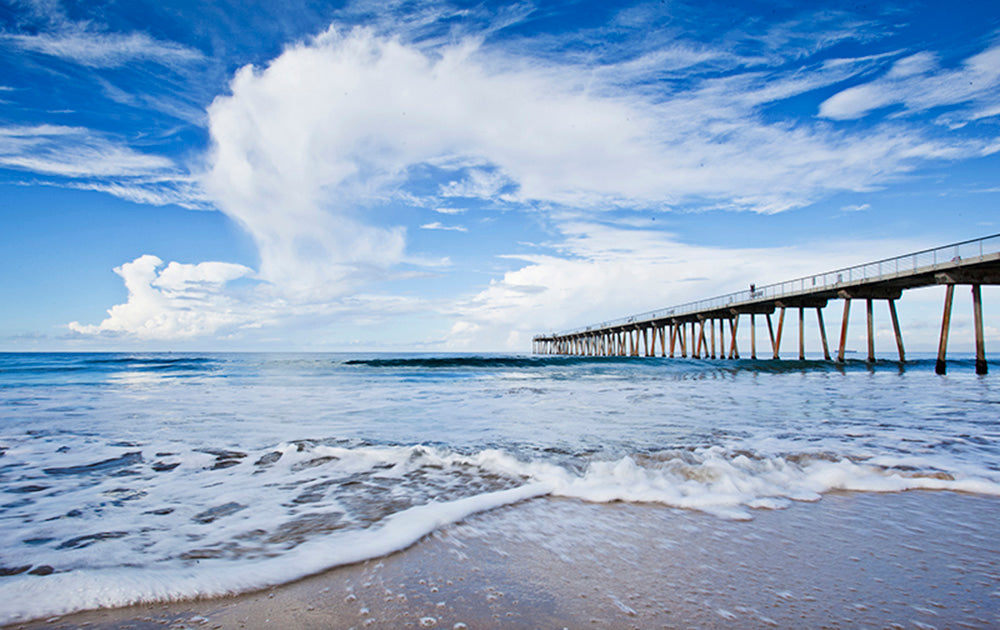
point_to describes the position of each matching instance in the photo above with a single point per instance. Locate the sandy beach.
(905, 560)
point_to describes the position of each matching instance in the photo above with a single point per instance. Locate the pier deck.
(975, 262)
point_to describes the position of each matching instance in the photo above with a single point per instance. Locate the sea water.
(130, 478)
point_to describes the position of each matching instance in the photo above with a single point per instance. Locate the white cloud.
(609, 272)
(80, 158)
(437, 225)
(303, 148)
(172, 190)
(103, 50)
(861, 207)
(173, 302)
(477, 183)
(177, 302)
(918, 83)
(73, 152)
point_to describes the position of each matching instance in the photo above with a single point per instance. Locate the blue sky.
(456, 176)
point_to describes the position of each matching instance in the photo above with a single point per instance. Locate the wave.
(483, 361)
(153, 363)
(41, 365)
(31, 598)
(219, 521)
(678, 365)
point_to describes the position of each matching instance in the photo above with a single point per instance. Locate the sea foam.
(245, 526)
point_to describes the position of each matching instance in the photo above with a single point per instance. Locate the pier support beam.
(734, 350)
(949, 293)
(802, 334)
(701, 343)
(753, 336)
(871, 330)
(895, 329)
(770, 331)
(722, 338)
(711, 328)
(822, 333)
(776, 340)
(977, 314)
(843, 330)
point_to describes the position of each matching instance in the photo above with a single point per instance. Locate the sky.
(451, 176)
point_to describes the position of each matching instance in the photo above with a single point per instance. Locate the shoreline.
(912, 558)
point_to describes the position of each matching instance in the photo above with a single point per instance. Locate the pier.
(690, 329)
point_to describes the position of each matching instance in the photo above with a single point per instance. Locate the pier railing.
(886, 269)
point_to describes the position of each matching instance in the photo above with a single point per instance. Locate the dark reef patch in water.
(127, 459)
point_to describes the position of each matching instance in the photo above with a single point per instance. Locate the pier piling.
(802, 334)
(895, 329)
(977, 313)
(949, 293)
(843, 330)
(822, 333)
(871, 330)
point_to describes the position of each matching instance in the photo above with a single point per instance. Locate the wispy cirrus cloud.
(860, 207)
(73, 152)
(918, 82)
(437, 225)
(98, 49)
(76, 157)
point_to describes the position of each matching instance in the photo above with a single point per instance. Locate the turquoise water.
(142, 477)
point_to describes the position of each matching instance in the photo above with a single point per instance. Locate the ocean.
(130, 478)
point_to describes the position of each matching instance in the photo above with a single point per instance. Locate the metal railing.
(955, 254)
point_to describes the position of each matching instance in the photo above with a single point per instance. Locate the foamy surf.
(28, 597)
(249, 520)
(159, 477)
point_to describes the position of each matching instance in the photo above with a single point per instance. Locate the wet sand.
(906, 560)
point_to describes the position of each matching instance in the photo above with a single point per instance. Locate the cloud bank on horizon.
(332, 154)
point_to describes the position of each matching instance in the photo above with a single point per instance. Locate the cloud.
(918, 83)
(73, 152)
(103, 50)
(440, 226)
(179, 190)
(477, 183)
(861, 207)
(307, 149)
(178, 301)
(339, 123)
(606, 272)
(76, 157)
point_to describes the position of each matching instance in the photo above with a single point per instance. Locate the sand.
(916, 559)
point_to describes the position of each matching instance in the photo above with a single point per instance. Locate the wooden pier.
(690, 329)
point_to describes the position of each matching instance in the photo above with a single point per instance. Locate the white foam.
(28, 597)
(711, 479)
(715, 481)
